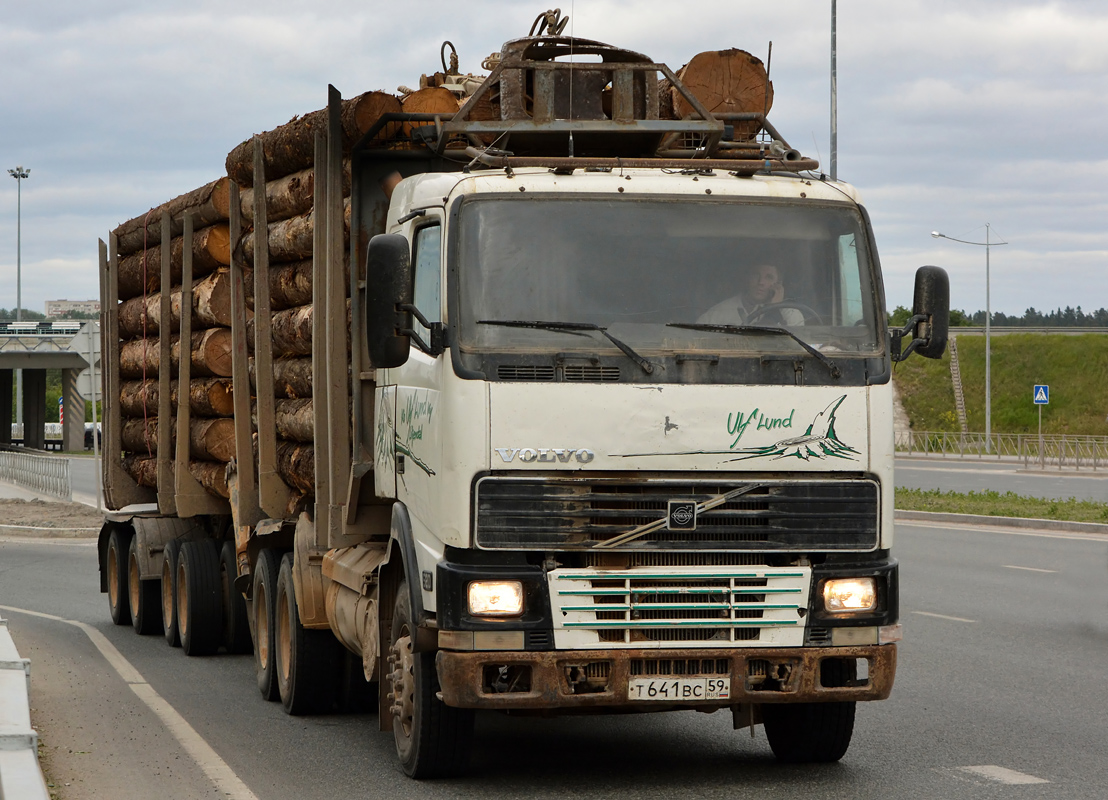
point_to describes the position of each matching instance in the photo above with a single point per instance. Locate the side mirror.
(388, 283)
(930, 316)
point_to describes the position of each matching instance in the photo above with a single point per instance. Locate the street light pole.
(19, 174)
(987, 244)
(834, 93)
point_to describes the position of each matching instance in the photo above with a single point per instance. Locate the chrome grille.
(714, 607)
(573, 512)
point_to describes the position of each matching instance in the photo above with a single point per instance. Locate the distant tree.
(79, 315)
(899, 317)
(28, 315)
(959, 318)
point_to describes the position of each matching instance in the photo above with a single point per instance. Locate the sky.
(951, 114)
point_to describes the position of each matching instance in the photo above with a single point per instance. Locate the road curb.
(1002, 522)
(20, 775)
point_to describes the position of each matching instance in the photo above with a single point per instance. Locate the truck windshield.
(646, 269)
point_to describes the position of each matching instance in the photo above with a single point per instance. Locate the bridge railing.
(1055, 451)
(44, 474)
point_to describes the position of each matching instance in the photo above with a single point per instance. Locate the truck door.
(418, 384)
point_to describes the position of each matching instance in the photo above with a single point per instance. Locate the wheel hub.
(402, 681)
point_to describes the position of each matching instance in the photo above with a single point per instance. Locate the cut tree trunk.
(291, 147)
(208, 397)
(292, 377)
(296, 465)
(212, 476)
(292, 331)
(211, 355)
(432, 100)
(290, 195)
(143, 469)
(211, 307)
(141, 272)
(291, 239)
(296, 420)
(209, 439)
(208, 204)
(726, 81)
(290, 283)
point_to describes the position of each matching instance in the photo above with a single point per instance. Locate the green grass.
(995, 504)
(1075, 368)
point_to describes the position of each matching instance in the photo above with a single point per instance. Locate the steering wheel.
(807, 311)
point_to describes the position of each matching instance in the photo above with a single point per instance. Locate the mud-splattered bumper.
(596, 679)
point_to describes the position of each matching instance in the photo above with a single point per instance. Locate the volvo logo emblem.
(682, 515)
(545, 455)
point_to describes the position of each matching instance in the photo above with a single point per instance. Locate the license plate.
(679, 689)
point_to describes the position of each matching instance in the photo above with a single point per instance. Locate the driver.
(763, 288)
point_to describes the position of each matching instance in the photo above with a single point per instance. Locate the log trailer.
(490, 457)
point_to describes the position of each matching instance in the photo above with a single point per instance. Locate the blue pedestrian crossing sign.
(1041, 394)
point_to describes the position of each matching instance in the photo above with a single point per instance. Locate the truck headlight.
(495, 598)
(844, 595)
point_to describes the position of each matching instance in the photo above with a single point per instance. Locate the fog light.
(844, 595)
(496, 598)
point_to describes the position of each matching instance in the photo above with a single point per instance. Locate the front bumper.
(577, 679)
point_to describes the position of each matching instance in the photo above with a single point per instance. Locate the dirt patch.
(46, 518)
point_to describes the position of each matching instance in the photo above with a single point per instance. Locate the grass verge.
(996, 504)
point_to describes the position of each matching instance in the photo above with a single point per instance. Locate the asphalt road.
(958, 475)
(1001, 670)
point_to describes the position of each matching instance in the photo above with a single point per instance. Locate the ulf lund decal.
(819, 440)
(545, 455)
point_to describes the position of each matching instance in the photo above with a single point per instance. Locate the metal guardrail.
(1053, 451)
(44, 474)
(20, 774)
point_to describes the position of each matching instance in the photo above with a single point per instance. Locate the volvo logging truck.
(577, 405)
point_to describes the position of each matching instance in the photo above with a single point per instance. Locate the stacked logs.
(288, 156)
(208, 394)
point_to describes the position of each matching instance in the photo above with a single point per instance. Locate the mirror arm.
(437, 345)
(898, 334)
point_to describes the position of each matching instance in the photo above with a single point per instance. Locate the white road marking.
(943, 616)
(1077, 537)
(48, 540)
(217, 770)
(1028, 569)
(985, 470)
(1002, 775)
(33, 528)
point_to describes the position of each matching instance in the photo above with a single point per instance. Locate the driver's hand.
(778, 293)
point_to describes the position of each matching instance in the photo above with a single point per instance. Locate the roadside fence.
(44, 474)
(1046, 452)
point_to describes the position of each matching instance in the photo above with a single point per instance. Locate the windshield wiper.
(733, 329)
(570, 327)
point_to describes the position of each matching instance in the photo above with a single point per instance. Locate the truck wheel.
(116, 564)
(236, 625)
(199, 604)
(169, 593)
(264, 598)
(802, 733)
(305, 660)
(143, 596)
(432, 739)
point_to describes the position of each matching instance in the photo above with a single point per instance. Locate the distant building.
(56, 308)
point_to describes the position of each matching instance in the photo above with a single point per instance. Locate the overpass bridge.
(35, 347)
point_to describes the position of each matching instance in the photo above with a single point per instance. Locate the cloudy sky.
(952, 114)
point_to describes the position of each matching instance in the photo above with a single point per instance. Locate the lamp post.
(987, 244)
(19, 173)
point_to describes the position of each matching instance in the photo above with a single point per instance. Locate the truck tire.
(115, 562)
(305, 660)
(236, 624)
(264, 598)
(169, 593)
(807, 733)
(143, 596)
(199, 602)
(432, 739)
